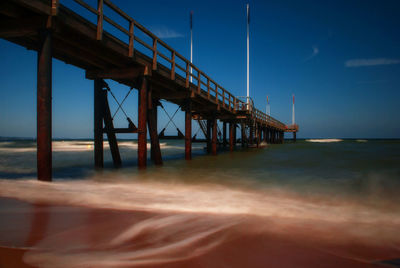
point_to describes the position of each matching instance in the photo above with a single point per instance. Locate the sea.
(312, 203)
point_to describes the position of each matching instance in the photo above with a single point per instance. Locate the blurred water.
(326, 184)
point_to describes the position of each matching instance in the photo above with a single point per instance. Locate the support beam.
(152, 124)
(44, 94)
(188, 130)
(265, 130)
(234, 135)
(224, 134)
(112, 138)
(142, 129)
(209, 122)
(251, 138)
(231, 136)
(243, 138)
(98, 124)
(214, 137)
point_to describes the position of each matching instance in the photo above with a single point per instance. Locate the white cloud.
(315, 52)
(370, 62)
(165, 33)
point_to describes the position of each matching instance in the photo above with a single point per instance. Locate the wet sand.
(48, 235)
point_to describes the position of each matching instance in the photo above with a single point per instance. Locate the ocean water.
(326, 191)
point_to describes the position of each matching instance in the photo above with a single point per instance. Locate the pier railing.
(161, 53)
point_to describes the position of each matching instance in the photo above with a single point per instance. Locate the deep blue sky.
(340, 58)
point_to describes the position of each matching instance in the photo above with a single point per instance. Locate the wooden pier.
(152, 67)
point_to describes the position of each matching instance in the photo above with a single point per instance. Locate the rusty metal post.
(208, 138)
(294, 136)
(44, 95)
(224, 134)
(98, 124)
(214, 137)
(188, 130)
(142, 129)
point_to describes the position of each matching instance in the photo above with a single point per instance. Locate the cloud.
(370, 62)
(315, 52)
(165, 33)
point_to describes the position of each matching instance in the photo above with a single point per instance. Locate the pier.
(144, 63)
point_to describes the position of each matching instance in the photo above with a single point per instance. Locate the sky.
(341, 59)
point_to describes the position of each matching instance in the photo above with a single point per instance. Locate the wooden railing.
(203, 83)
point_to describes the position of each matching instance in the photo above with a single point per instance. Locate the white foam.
(324, 140)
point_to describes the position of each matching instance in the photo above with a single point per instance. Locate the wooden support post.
(142, 130)
(231, 136)
(224, 142)
(112, 138)
(208, 138)
(234, 135)
(251, 138)
(99, 35)
(44, 93)
(152, 124)
(294, 136)
(214, 137)
(265, 134)
(272, 136)
(188, 130)
(258, 135)
(98, 124)
(243, 134)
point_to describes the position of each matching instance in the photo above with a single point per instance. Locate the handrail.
(217, 93)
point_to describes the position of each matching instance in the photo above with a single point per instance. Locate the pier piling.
(142, 130)
(44, 110)
(188, 130)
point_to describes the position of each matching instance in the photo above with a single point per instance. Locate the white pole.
(248, 52)
(191, 43)
(293, 111)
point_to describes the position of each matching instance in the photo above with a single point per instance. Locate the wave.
(81, 146)
(324, 140)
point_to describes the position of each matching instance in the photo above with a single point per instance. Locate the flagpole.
(248, 52)
(191, 43)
